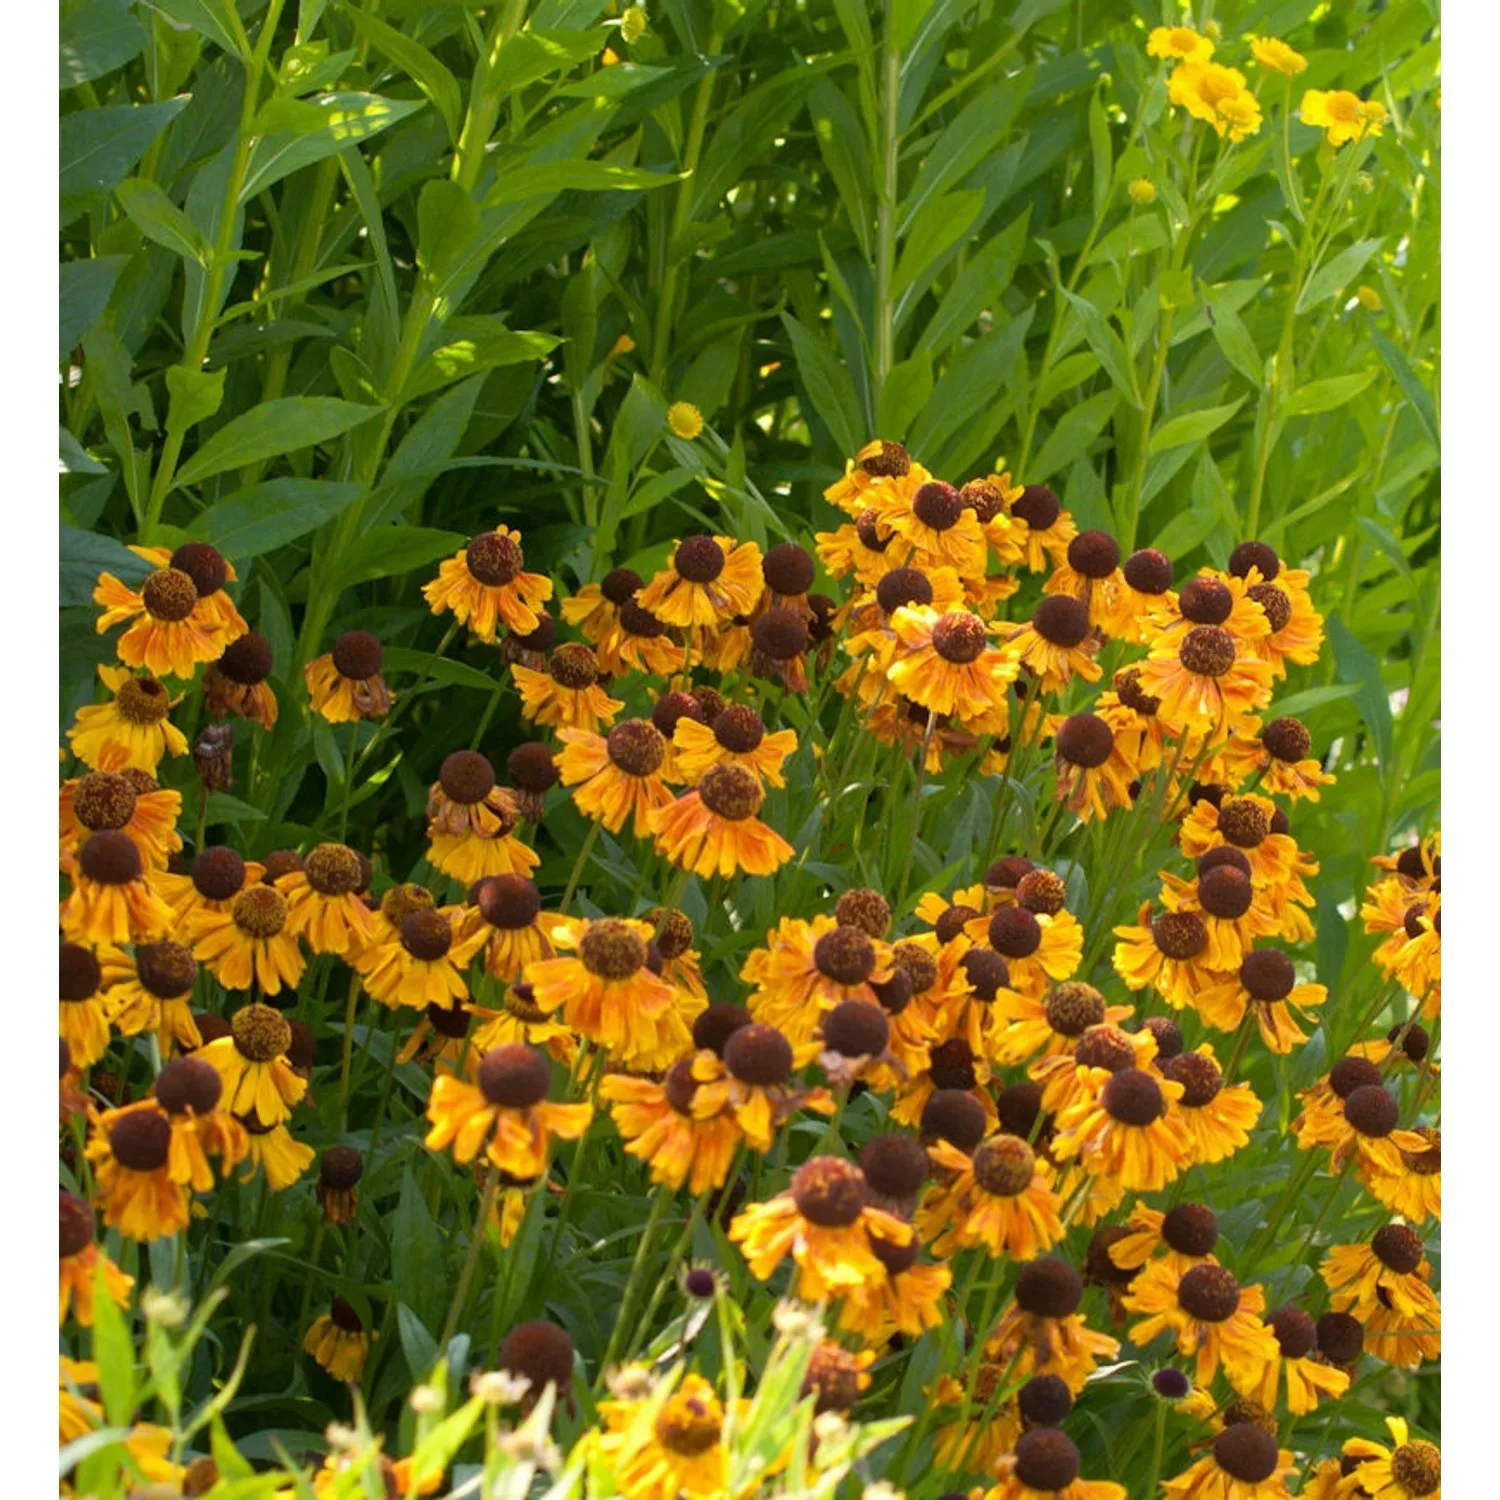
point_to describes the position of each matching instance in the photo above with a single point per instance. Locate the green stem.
(578, 865)
(349, 772)
(480, 1235)
(300, 1326)
(484, 99)
(348, 1058)
(659, 1200)
(885, 223)
(1158, 1443)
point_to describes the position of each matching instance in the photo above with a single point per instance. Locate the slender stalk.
(465, 1276)
(349, 771)
(312, 1271)
(578, 865)
(348, 1058)
(885, 222)
(659, 1200)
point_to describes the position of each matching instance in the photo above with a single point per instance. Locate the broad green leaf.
(1234, 340)
(269, 515)
(94, 38)
(1337, 273)
(394, 549)
(84, 288)
(159, 219)
(1103, 156)
(945, 222)
(417, 1270)
(84, 555)
(1359, 668)
(308, 130)
(533, 55)
(841, 141)
(907, 390)
(969, 385)
(1388, 547)
(981, 286)
(447, 222)
(222, 808)
(417, 664)
(114, 1354)
(1411, 386)
(1325, 395)
(472, 345)
(195, 395)
(1297, 704)
(1075, 430)
(974, 134)
(1107, 346)
(272, 429)
(429, 75)
(97, 147)
(216, 19)
(417, 1344)
(828, 387)
(1192, 426)
(542, 178)
(74, 458)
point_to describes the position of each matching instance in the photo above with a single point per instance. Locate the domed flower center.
(846, 956)
(1046, 1459)
(1244, 822)
(188, 1083)
(868, 529)
(169, 595)
(951, 1065)
(640, 622)
(938, 505)
(1287, 740)
(1038, 507)
(142, 701)
(731, 792)
(401, 901)
(260, 1033)
(1267, 975)
(901, 587)
(1372, 1110)
(636, 747)
(1257, 555)
(1209, 1293)
(919, 965)
(248, 660)
(509, 902)
(1417, 1467)
(1085, 740)
(139, 1141)
(884, 459)
(1015, 932)
(110, 858)
(1133, 1097)
(1200, 1077)
(688, 1425)
(1073, 1006)
(758, 1055)
(1426, 1163)
(1129, 691)
(1398, 1248)
(1295, 1331)
(1225, 892)
(1207, 651)
(426, 935)
(166, 970)
(959, 637)
(466, 777)
(780, 634)
(573, 666)
(493, 559)
(1246, 1452)
(1191, 1229)
(1149, 572)
(612, 951)
(1041, 892)
(829, 1191)
(698, 559)
(1179, 935)
(788, 569)
(952, 922)
(514, 1077)
(1048, 1289)
(334, 870)
(856, 1028)
(1277, 606)
(259, 911)
(985, 498)
(1061, 620)
(1004, 1166)
(103, 800)
(357, 656)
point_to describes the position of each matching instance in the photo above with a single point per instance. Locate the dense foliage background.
(344, 283)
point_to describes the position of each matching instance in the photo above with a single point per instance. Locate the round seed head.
(1267, 974)
(1294, 1329)
(1209, 1293)
(788, 569)
(1045, 1400)
(1247, 1452)
(169, 595)
(1004, 1165)
(188, 1083)
(110, 858)
(1168, 1036)
(1350, 1073)
(1287, 740)
(466, 777)
(611, 950)
(1094, 554)
(530, 767)
(139, 1141)
(1191, 1229)
(1018, 1106)
(1341, 1337)
(79, 974)
(952, 922)
(954, 1116)
(1275, 603)
(573, 666)
(1398, 1247)
(204, 564)
(1048, 1289)
(856, 1028)
(103, 800)
(780, 634)
(1062, 620)
(1200, 1077)
(357, 655)
(889, 461)
(340, 1168)
(895, 1166)
(714, 1027)
(1372, 1110)
(731, 792)
(75, 1224)
(493, 559)
(1073, 1007)
(508, 901)
(1085, 740)
(1254, 555)
(758, 1054)
(514, 1076)
(865, 909)
(248, 660)
(1046, 1459)
(1207, 651)
(699, 559)
(959, 637)
(902, 586)
(620, 585)
(1149, 571)
(426, 935)
(1205, 601)
(829, 1191)
(1015, 932)
(1133, 1097)
(1225, 892)
(541, 1352)
(1038, 507)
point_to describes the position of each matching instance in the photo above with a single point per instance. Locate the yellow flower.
(1245, 1464)
(252, 1062)
(1142, 191)
(714, 827)
(1271, 52)
(657, 1124)
(685, 420)
(485, 585)
(132, 729)
(1180, 43)
(1413, 1468)
(1216, 95)
(1345, 116)
(346, 684)
(1369, 298)
(622, 345)
(78, 1261)
(633, 26)
(338, 1341)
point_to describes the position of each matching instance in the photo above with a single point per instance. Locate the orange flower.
(713, 828)
(708, 580)
(346, 684)
(618, 776)
(180, 615)
(568, 692)
(484, 585)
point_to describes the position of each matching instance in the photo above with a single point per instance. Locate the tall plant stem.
(466, 1276)
(885, 222)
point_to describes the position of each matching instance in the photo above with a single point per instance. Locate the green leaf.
(1103, 156)
(84, 289)
(195, 395)
(542, 178)
(472, 345)
(429, 75)
(841, 140)
(305, 131)
(417, 1344)
(969, 384)
(435, 1452)
(266, 516)
(1325, 395)
(1075, 430)
(942, 225)
(1337, 273)
(74, 458)
(1357, 667)
(216, 19)
(394, 549)
(417, 664)
(447, 222)
(1388, 547)
(828, 387)
(97, 147)
(114, 1354)
(1234, 340)
(417, 1270)
(222, 808)
(159, 219)
(1107, 346)
(1411, 387)
(980, 286)
(273, 428)
(84, 555)
(1298, 704)
(907, 390)
(1192, 426)
(94, 38)
(973, 135)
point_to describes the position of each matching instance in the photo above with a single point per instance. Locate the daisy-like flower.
(1125, 1126)
(680, 963)
(1295, 627)
(679, 1451)
(713, 827)
(131, 730)
(1204, 680)
(78, 1261)
(424, 964)
(253, 1065)
(1416, 1192)
(1042, 529)
(174, 625)
(129, 801)
(1140, 597)
(1090, 572)
(505, 1112)
(248, 941)
(616, 777)
(1278, 754)
(1167, 953)
(1384, 1284)
(1363, 1121)
(953, 1069)
(1271, 52)
(218, 875)
(1178, 44)
(836, 1376)
(1216, 95)
(1046, 1466)
(807, 968)
(274, 1153)
(1215, 1120)
(568, 692)
(129, 1150)
(1037, 946)
(1213, 1318)
(747, 1073)
(1266, 981)
(1041, 1333)
(339, 1172)
(945, 663)
(485, 585)
(1307, 1378)
(111, 901)
(517, 932)
(346, 684)
(1057, 643)
(338, 1342)
(606, 992)
(862, 547)
(595, 608)
(1094, 772)
(238, 683)
(1411, 1470)
(471, 822)
(1182, 1237)
(189, 1090)
(709, 579)
(907, 1298)
(640, 643)
(323, 904)
(1224, 897)
(82, 1015)
(1000, 1197)
(1344, 116)
(1028, 1028)
(1245, 1464)
(657, 1123)
(519, 1019)
(938, 523)
(151, 990)
(825, 1224)
(878, 464)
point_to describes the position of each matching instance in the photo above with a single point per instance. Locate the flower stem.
(659, 1201)
(578, 864)
(466, 1276)
(348, 1058)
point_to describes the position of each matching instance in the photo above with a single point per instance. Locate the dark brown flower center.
(951, 1064)
(1257, 555)
(1398, 1247)
(1200, 1077)
(895, 1166)
(938, 505)
(958, 637)
(829, 1191)
(259, 911)
(169, 595)
(1061, 620)
(889, 461)
(139, 1141)
(612, 951)
(1209, 1293)
(1038, 507)
(1004, 1166)
(1133, 1097)
(717, 1024)
(574, 666)
(1191, 1229)
(1048, 1289)
(918, 964)
(1294, 1329)
(340, 1168)
(950, 924)
(79, 974)
(1207, 651)
(1073, 1006)
(1046, 1459)
(493, 559)
(218, 873)
(1041, 892)
(1149, 571)
(1277, 606)
(698, 559)
(903, 586)
(846, 955)
(188, 1083)
(166, 970)
(1205, 601)
(75, 1224)
(1225, 892)
(868, 529)
(636, 747)
(1085, 740)
(426, 935)
(1417, 1467)
(1267, 974)
(110, 858)
(856, 1028)
(1247, 1452)
(1372, 1110)
(955, 1116)
(103, 800)
(984, 498)
(510, 902)
(1287, 740)
(1341, 1337)
(514, 1076)
(141, 700)
(986, 972)
(401, 901)
(357, 655)
(1350, 1073)
(780, 634)
(466, 777)
(260, 1033)
(334, 870)
(758, 1055)
(1015, 932)
(1128, 690)
(731, 792)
